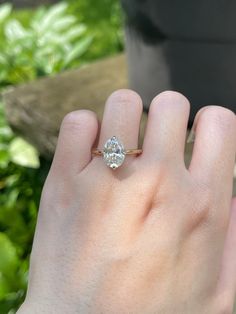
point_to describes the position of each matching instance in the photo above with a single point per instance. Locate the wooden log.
(35, 110)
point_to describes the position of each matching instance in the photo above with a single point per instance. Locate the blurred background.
(38, 39)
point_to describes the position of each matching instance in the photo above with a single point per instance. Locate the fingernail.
(191, 136)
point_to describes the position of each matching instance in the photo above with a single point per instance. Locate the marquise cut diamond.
(113, 153)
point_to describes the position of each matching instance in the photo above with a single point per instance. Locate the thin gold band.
(99, 152)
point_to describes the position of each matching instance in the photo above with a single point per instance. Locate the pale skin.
(153, 236)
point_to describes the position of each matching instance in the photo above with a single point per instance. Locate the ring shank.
(133, 151)
(99, 152)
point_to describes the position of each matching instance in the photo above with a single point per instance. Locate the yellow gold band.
(99, 152)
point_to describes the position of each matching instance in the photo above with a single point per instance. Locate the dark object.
(186, 45)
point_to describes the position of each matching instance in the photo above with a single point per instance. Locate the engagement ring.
(114, 153)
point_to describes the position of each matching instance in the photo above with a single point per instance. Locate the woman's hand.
(150, 237)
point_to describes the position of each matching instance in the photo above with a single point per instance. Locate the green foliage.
(39, 49)
(34, 44)
(103, 19)
(20, 189)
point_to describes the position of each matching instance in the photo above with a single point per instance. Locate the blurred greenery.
(36, 43)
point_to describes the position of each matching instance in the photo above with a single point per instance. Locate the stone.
(113, 153)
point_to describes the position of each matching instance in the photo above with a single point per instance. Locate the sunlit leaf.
(78, 50)
(9, 259)
(5, 131)
(63, 23)
(5, 11)
(74, 32)
(50, 38)
(50, 17)
(36, 20)
(3, 59)
(24, 154)
(12, 197)
(14, 30)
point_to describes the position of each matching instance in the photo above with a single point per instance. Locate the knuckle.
(206, 196)
(161, 184)
(207, 209)
(204, 204)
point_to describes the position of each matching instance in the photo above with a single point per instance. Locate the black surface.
(198, 41)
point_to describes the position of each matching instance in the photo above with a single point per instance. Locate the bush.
(20, 189)
(52, 42)
(103, 19)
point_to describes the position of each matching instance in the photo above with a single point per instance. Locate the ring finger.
(121, 118)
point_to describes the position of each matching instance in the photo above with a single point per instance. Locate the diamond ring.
(114, 153)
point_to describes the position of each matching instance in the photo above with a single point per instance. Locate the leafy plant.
(53, 41)
(103, 19)
(20, 189)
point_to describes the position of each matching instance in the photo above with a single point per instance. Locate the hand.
(149, 237)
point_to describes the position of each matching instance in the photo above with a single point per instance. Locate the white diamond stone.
(113, 153)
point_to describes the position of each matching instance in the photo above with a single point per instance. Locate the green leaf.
(5, 131)
(4, 158)
(3, 59)
(24, 154)
(35, 22)
(63, 23)
(74, 32)
(51, 16)
(12, 197)
(5, 11)
(14, 30)
(4, 286)
(9, 259)
(78, 50)
(51, 38)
